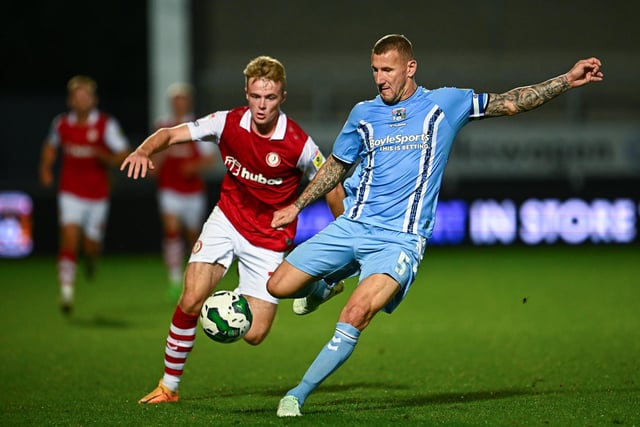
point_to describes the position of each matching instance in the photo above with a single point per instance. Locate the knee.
(190, 302)
(273, 286)
(255, 337)
(356, 315)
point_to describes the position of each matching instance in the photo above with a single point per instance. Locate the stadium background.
(588, 141)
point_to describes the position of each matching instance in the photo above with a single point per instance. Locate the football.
(225, 316)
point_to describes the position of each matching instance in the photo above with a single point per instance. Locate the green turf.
(487, 336)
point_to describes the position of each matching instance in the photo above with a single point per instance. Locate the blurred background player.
(266, 155)
(90, 142)
(182, 197)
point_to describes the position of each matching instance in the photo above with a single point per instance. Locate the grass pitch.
(487, 336)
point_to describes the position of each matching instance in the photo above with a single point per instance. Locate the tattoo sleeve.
(525, 98)
(330, 174)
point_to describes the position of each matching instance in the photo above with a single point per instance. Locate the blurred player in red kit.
(182, 197)
(90, 142)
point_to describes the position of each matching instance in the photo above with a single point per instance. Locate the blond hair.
(180, 89)
(78, 81)
(266, 67)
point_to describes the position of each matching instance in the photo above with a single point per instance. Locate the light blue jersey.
(403, 150)
(392, 195)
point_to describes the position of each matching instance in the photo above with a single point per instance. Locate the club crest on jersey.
(197, 247)
(92, 135)
(273, 159)
(398, 114)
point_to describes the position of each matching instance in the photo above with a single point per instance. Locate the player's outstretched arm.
(139, 161)
(527, 98)
(328, 176)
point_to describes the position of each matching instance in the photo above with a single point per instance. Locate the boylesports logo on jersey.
(419, 141)
(422, 138)
(236, 169)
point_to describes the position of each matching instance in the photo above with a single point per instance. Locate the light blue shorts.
(345, 246)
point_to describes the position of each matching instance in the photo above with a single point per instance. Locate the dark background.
(43, 45)
(491, 46)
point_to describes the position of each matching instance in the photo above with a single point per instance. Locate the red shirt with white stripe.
(263, 174)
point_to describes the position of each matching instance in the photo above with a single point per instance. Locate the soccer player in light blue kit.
(402, 140)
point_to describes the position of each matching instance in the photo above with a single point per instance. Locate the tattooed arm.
(527, 98)
(329, 176)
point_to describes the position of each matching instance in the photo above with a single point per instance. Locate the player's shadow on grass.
(100, 321)
(415, 399)
(432, 398)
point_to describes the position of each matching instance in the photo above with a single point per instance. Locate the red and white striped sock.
(182, 335)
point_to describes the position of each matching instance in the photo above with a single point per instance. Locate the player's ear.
(284, 97)
(412, 67)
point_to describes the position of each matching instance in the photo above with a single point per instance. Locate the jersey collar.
(93, 117)
(281, 126)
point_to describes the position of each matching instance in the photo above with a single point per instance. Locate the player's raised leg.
(320, 292)
(323, 290)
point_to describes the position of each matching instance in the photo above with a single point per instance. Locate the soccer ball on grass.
(225, 316)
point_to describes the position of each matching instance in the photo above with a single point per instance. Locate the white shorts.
(189, 208)
(221, 243)
(90, 215)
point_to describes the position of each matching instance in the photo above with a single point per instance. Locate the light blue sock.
(330, 358)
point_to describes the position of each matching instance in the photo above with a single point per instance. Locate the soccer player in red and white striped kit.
(90, 142)
(266, 155)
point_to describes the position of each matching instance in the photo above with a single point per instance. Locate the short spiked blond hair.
(266, 67)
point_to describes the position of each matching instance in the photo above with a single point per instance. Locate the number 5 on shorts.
(403, 262)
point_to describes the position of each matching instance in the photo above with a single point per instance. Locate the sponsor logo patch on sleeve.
(318, 159)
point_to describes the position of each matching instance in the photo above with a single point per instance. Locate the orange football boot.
(160, 394)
